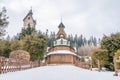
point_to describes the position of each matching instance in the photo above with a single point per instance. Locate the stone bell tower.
(28, 21)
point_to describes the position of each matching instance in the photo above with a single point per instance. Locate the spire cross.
(30, 10)
(31, 7)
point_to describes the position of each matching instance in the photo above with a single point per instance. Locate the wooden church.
(61, 52)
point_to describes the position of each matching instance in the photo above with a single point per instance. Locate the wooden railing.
(11, 65)
(85, 65)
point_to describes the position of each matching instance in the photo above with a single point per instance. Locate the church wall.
(29, 21)
(61, 48)
(60, 59)
(61, 43)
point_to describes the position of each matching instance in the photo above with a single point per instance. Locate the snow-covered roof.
(61, 52)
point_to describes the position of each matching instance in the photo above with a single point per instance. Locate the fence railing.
(85, 65)
(12, 65)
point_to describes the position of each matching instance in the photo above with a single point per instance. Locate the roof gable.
(29, 14)
(61, 31)
(61, 25)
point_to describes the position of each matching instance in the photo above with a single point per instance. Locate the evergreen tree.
(84, 41)
(51, 38)
(35, 44)
(112, 44)
(80, 40)
(71, 40)
(8, 38)
(95, 41)
(7, 49)
(76, 41)
(4, 48)
(28, 31)
(101, 55)
(3, 21)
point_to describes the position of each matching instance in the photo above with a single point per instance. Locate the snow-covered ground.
(59, 72)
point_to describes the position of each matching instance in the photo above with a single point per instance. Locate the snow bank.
(59, 72)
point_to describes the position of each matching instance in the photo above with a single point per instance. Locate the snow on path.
(60, 72)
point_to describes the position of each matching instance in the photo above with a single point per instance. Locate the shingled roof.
(61, 25)
(30, 12)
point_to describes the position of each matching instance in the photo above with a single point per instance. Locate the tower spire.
(61, 19)
(28, 20)
(31, 7)
(31, 10)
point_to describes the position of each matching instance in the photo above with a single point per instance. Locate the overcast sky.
(87, 17)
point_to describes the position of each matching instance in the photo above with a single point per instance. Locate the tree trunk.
(39, 62)
(91, 65)
(115, 67)
(99, 66)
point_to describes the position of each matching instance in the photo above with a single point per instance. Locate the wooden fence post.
(10, 65)
(0, 65)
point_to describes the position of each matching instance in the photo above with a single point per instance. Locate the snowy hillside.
(60, 72)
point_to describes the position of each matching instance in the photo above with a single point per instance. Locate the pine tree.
(76, 41)
(80, 40)
(3, 21)
(112, 44)
(35, 44)
(28, 31)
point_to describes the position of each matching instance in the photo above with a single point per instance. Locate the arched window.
(61, 36)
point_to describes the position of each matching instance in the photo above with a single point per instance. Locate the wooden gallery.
(62, 52)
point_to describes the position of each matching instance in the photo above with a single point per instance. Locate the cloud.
(87, 17)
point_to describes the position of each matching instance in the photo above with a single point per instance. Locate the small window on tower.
(28, 17)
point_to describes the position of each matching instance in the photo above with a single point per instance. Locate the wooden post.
(20, 65)
(9, 65)
(0, 65)
(4, 67)
(115, 67)
(91, 65)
